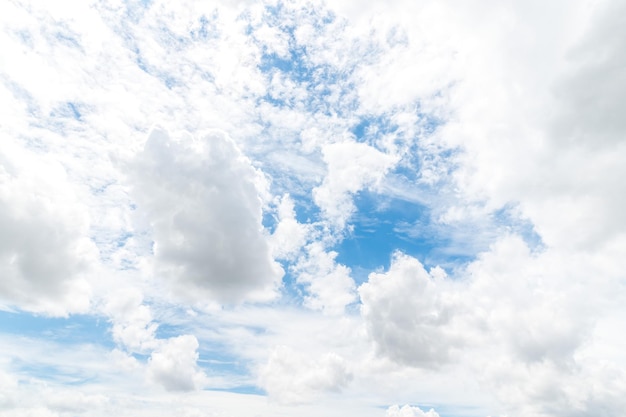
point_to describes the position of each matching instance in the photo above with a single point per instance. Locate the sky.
(237, 208)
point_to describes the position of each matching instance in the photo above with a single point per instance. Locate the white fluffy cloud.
(329, 285)
(408, 313)
(475, 108)
(525, 324)
(202, 200)
(291, 377)
(133, 325)
(45, 252)
(408, 411)
(174, 364)
(289, 236)
(352, 166)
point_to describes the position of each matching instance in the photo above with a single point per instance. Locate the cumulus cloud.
(408, 313)
(291, 377)
(352, 166)
(289, 236)
(408, 411)
(173, 364)
(202, 200)
(133, 325)
(329, 286)
(486, 105)
(45, 252)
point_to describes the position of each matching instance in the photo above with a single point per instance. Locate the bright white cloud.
(292, 377)
(133, 325)
(329, 286)
(173, 365)
(202, 200)
(45, 253)
(290, 236)
(408, 411)
(499, 122)
(408, 313)
(352, 166)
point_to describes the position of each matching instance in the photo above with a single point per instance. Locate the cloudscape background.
(288, 208)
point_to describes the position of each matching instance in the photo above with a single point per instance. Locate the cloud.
(173, 365)
(45, 254)
(352, 166)
(289, 236)
(408, 313)
(408, 411)
(291, 377)
(133, 325)
(329, 285)
(465, 111)
(202, 199)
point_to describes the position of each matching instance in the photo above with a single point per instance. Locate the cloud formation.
(359, 144)
(173, 364)
(408, 313)
(202, 201)
(291, 377)
(45, 252)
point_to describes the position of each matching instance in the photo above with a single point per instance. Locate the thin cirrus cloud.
(284, 208)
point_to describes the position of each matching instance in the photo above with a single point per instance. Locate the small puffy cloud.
(408, 411)
(289, 236)
(133, 325)
(352, 166)
(291, 377)
(408, 313)
(45, 251)
(202, 200)
(174, 364)
(329, 285)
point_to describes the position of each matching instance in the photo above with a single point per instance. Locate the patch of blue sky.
(320, 80)
(242, 389)
(75, 329)
(22, 95)
(508, 218)
(123, 239)
(25, 37)
(214, 360)
(374, 236)
(372, 126)
(293, 292)
(165, 331)
(169, 80)
(67, 38)
(61, 374)
(135, 10)
(208, 28)
(67, 110)
(429, 122)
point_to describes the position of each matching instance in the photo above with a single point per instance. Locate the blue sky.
(289, 208)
